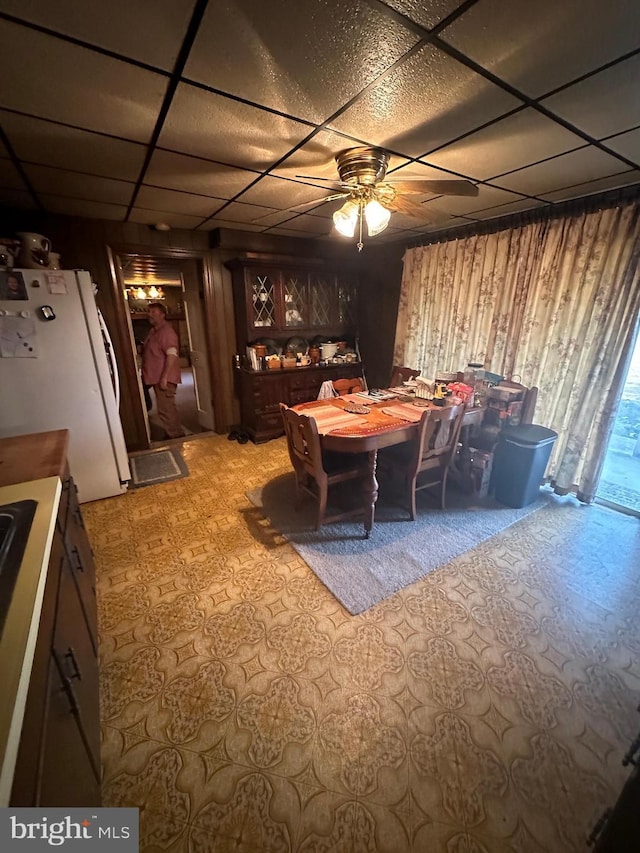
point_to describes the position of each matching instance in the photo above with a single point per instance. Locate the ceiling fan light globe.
(346, 218)
(377, 217)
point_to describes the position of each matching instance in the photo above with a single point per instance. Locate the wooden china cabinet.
(278, 299)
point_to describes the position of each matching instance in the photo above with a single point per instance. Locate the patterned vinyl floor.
(484, 709)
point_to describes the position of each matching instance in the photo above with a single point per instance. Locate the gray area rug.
(157, 466)
(361, 572)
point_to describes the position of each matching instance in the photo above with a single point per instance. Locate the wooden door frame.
(129, 370)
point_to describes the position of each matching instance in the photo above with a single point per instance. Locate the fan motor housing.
(362, 165)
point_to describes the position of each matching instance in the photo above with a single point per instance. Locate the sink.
(15, 523)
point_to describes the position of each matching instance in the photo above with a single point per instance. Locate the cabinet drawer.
(297, 397)
(67, 775)
(77, 663)
(269, 422)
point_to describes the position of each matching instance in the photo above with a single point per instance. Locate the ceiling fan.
(371, 198)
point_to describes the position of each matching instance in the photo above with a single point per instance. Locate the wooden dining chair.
(402, 374)
(424, 462)
(315, 470)
(348, 386)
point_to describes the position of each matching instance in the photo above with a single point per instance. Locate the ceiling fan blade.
(436, 187)
(333, 181)
(304, 205)
(318, 201)
(403, 205)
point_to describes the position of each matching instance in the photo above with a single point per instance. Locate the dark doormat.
(157, 466)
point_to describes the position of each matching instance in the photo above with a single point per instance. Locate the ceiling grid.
(211, 118)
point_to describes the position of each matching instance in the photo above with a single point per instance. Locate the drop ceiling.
(205, 114)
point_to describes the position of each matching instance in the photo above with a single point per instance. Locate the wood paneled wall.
(85, 244)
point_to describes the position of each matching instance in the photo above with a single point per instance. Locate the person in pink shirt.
(161, 367)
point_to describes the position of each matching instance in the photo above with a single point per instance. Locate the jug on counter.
(34, 251)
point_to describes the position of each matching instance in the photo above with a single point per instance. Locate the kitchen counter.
(31, 468)
(18, 640)
(33, 457)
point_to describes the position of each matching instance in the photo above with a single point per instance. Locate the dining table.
(389, 420)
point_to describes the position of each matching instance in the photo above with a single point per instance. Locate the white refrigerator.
(57, 371)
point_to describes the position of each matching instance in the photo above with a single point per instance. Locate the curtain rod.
(572, 207)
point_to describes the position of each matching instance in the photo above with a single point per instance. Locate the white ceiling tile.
(280, 193)
(302, 59)
(538, 46)
(192, 174)
(589, 105)
(38, 141)
(218, 128)
(249, 213)
(309, 224)
(326, 211)
(288, 232)
(83, 208)
(577, 167)
(175, 220)
(216, 222)
(16, 198)
(514, 142)
(453, 222)
(627, 144)
(76, 185)
(505, 209)
(117, 25)
(426, 14)
(152, 198)
(611, 182)
(53, 79)
(419, 170)
(275, 218)
(10, 177)
(424, 103)
(463, 205)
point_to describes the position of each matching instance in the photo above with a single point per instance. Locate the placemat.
(406, 411)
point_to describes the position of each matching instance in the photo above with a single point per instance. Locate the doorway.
(620, 480)
(175, 284)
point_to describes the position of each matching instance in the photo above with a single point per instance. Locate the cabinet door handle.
(79, 567)
(75, 669)
(67, 689)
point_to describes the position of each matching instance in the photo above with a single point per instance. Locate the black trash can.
(520, 460)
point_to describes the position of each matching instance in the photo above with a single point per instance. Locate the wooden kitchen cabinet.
(281, 297)
(262, 391)
(58, 761)
(80, 556)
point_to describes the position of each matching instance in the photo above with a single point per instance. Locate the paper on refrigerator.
(18, 337)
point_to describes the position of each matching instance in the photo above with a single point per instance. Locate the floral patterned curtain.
(553, 304)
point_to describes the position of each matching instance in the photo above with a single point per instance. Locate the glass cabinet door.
(346, 303)
(263, 300)
(322, 299)
(295, 300)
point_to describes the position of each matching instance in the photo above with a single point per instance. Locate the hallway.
(185, 404)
